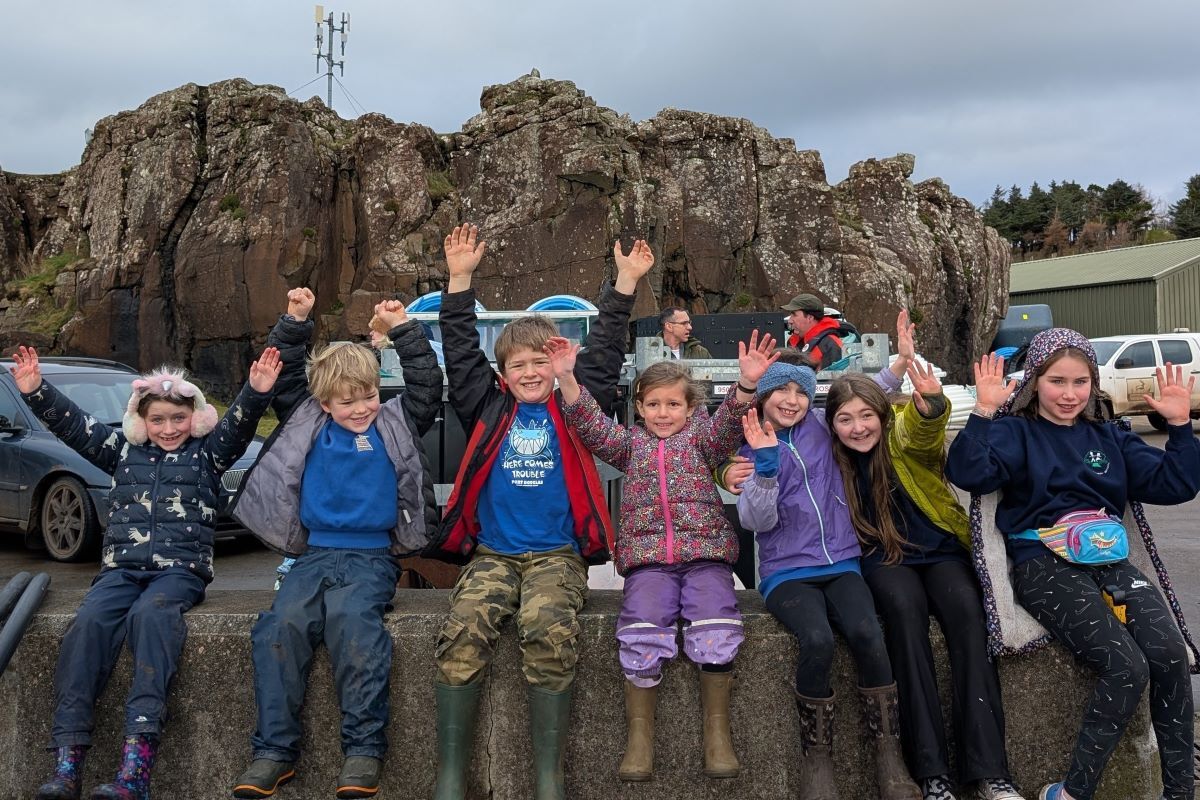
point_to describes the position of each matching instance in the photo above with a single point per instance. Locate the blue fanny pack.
(1084, 537)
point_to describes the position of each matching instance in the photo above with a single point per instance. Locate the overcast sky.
(984, 93)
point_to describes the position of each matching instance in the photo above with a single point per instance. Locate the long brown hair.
(880, 473)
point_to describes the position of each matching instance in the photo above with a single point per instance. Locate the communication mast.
(322, 40)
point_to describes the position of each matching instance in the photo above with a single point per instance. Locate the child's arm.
(422, 398)
(1171, 475)
(98, 443)
(757, 505)
(472, 380)
(290, 337)
(599, 433)
(599, 364)
(981, 459)
(920, 426)
(725, 428)
(233, 434)
(905, 349)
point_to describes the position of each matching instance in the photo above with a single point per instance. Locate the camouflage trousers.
(545, 591)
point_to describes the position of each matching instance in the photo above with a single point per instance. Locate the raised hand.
(758, 436)
(991, 388)
(924, 382)
(265, 370)
(463, 251)
(388, 315)
(27, 373)
(755, 357)
(300, 303)
(1174, 401)
(904, 336)
(737, 472)
(562, 354)
(631, 268)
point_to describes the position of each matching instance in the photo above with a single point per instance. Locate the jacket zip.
(666, 506)
(813, 500)
(153, 514)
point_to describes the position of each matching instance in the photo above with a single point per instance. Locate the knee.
(550, 650)
(865, 637)
(462, 651)
(816, 644)
(1129, 667)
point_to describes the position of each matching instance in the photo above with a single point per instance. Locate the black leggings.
(807, 607)
(1066, 599)
(906, 595)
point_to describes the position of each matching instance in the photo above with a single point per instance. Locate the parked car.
(1127, 365)
(50, 493)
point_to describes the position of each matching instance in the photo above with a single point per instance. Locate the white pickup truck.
(1127, 365)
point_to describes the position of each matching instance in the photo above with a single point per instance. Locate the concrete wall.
(212, 714)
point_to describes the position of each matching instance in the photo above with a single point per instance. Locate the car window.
(10, 415)
(103, 396)
(1104, 350)
(1141, 354)
(1177, 351)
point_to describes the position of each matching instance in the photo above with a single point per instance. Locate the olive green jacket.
(917, 445)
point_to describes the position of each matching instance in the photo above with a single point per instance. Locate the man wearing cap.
(677, 334)
(814, 333)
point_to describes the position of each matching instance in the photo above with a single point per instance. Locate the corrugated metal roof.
(1146, 262)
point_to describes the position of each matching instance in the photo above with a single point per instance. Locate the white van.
(1127, 365)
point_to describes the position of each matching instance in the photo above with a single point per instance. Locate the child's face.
(353, 409)
(664, 409)
(529, 375)
(1064, 389)
(168, 425)
(785, 406)
(858, 426)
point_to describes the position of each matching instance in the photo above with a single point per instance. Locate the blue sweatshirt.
(348, 495)
(1048, 470)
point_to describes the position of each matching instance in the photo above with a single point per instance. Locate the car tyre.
(69, 526)
(1157, 421)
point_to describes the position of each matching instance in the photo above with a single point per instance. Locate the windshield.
(101, 395)
(1105, 350)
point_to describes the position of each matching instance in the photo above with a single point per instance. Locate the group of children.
(851, 509)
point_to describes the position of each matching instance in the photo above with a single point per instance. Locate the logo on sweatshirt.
(363, 443)
(1097, 461)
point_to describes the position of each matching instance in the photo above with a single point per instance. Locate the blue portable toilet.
(432, 301)
(562, 302)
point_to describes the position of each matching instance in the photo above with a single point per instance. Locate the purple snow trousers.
(656, 597)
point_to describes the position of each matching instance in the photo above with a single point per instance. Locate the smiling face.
(664, 409)
(168, 424)
(1064, 389)
(353, 409)
(529, 375)
(785, 406)
(857, 425)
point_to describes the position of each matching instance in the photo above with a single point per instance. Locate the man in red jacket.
(813, 332)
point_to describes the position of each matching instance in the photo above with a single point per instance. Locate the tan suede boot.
(719, 758)
(816, 738)
(881, 718)
(638, 763)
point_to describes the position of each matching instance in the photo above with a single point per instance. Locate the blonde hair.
(668, 373)
(530, 333)
(341, 368)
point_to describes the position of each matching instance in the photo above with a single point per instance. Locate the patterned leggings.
(1066, 599)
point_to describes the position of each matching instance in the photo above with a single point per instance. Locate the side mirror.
(1124, 363)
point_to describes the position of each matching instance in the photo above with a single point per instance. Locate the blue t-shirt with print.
(524, 507)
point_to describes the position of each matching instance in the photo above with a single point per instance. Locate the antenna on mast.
(325, 25)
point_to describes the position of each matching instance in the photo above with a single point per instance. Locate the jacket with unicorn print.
(162, 507)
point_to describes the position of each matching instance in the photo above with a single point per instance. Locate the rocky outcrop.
(187, 219)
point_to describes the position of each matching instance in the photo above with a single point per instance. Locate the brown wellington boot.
(719, 759)
(638, 763)
(881, 717)
(816, 737)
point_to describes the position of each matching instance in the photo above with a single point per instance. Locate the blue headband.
(780, 374)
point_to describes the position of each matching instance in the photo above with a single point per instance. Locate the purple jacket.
(800, 515)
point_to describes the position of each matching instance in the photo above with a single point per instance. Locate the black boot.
(816, 738)
(68, 773)
(549, 720)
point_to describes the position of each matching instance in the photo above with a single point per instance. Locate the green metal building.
(1154, 288)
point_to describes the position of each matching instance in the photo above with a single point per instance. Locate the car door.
(1183, 352)
(13, 430)
(1133, 371)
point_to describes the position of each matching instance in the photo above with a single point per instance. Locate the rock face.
(187, 219)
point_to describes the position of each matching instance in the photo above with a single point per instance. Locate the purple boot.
(67, 774)
(133, 780)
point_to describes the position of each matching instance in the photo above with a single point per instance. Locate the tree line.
(1067, 218)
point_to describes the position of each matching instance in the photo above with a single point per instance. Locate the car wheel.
(69, 526)
(1157, 421)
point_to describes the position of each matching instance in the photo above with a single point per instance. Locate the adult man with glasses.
(677, 334)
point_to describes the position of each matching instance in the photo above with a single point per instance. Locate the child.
(1043, 442)
(527, 509)
(810, 575)
(676, 548)
(344, 534)
(915, 536)
(166, 460)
